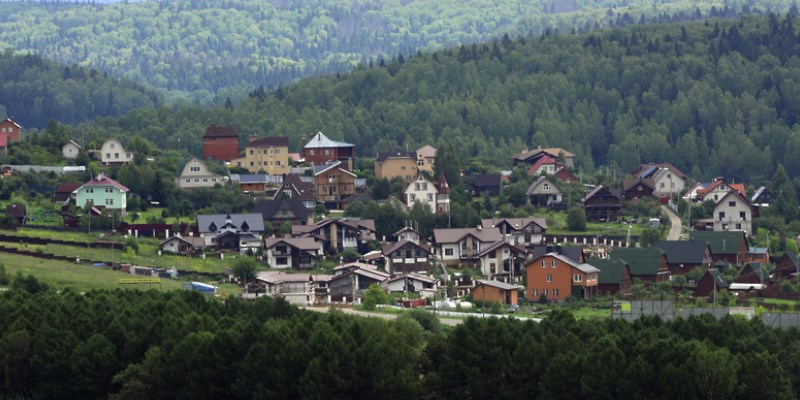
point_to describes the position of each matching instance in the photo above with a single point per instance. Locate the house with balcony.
(296, 188)
(457, 246)
(321, 150)
(638, 188)
(278, 212)
(349, 284)
(406, 256)
(423, 285)
(602, 204)
(339, 234)
(298, 289)
(521, 232)
(503, 261)
(333, 183)
(733, 213)
(557, 277)
(531, 157)
(294, 253)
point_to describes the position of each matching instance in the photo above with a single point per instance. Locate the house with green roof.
(711, 282)
(649, 265)
(614, 276)
(730, 247)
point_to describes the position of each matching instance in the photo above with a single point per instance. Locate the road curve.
(675, 229)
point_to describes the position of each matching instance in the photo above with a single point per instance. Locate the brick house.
(558, 277)
(320, 150)
(10, 132)
(489, 291)
(220, 143)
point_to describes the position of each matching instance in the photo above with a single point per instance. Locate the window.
(89, 190)
(278, 163)
(430, 161)
(721, 215)
(112, 145)
(555, 292)
(108, 190)
(402, 168)
(577, 278)
(205, 179)
(430, 196)
(277, 151)
(188, 180)
(743, 215)
(108, 155)
(731, 204)
(109, 202)
(416, 186)
(251, 152)
(553, 264)
(116, 155)
(413, 197)
(534, 292)
(549, 278)
(546, 186)
(421, 163)
(544, 264)
(493, 254)
(311, 152)
(738, 226)
(640, 188)
(327, 152)
(448, 252)
(281, 260)
(662, 185)
(544, 292)
(424, 185)
(252, 163)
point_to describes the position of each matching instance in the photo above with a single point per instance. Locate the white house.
(197, 175)
(733, 213)
(455, 246)
(70, 150)
(292, 252)
(435, 195)
(519, 231)
(113, 153)
(424, 285)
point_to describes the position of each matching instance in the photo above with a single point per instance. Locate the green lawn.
(780, 301)
(557, 225)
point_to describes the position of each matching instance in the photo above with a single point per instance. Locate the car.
(513, 308)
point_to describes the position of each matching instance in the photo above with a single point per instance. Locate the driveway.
(675, 229)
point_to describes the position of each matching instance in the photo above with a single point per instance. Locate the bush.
(426, 319)
(4, 278)
(374, 296)
(28, 283)
(576, 220)
(131, 244)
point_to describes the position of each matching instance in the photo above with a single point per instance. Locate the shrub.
(576, 220)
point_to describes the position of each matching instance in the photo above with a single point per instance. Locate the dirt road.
(675, 229)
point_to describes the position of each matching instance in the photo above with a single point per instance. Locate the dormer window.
(212, 227)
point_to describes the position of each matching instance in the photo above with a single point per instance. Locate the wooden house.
(614, 276)
(602, 204)
(649, 265)
(494, 291)
(333, 183)
(406, 256)
(295, 253)
(730, 247)
(684, 256)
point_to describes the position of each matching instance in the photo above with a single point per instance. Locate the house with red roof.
(102, 192)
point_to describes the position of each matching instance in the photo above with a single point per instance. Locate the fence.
(667, 311)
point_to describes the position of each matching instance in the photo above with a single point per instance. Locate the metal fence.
(667, 311)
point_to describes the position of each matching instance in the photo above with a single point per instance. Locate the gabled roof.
(574, 253)
(721, 242)
(538, 182)
(758, 193)
(552, 151)
(598, 189)
(738, 187)
(540, 163)
(499, 244)
(427, 151)
(406, 229)
(441, 184)
(733, 193)
(254, 222)
(487, 180)
(642, 262)
(417, 277)
(72, 142)
(611, 270)
(357, 224)
(683, 251)
(516, 223)
(392, 247)
(214, 131)
(321, 169)
(16, 210)
(190, 240)
(496, 284)
(298, 243)
(718, 277)
(362, 197)
(11, 120)
(396, 154)
(453, 235)
(68, 187)
(628, 184)
(647, 170)
(757, 270)
(270, 141)
(102, 180)
(321, 141)
(274, 278)
(583, 267)
(300, 189)
(269, 208)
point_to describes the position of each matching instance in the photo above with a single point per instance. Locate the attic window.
(731, 204)
(245, 226)
(212, 227)
(546, 186)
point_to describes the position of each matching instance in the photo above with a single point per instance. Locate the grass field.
(780, 301)
(557, 225)
(59, 275)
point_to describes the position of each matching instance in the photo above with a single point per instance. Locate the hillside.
(33, 90)
(718, 98)
(206, 51)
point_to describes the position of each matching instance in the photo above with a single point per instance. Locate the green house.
(102, 192)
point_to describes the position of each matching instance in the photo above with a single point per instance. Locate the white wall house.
(113, 152)
(421, 190)
(733, 213)
(196, 174)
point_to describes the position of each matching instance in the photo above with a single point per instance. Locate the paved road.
(446, 321)
(675, 229)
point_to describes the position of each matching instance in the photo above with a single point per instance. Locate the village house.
(295, 253)
(333, 183)
(278, 212)
(544, 166)
(64, 191)
(196, 174)
(423, 285)
(730, 247)
(426, 158)
(754, 273)
(788, 267)
(614, 276)
(665, 177)
(231, 232)
(407, 233)
(321, 150)
(456, 246)
(269, 155)
(298, 289)
(113, 153)
(544, 193)
(522, 232)
(220, 143)
(713, 191)
(574, 253)
(602, 204)
(493, 291)
(10, 132)
(405, 257)
(502, 260)
(761, 198)
(186, 245)
(16, 214)
(339, 234)
(392, 164)
(349, 284)
(712, 282)
(71, 150)
(650, 265)
(102, 192)
(637, 188)
(732, 212)
(557, 277)
(565, 176)
(683, 256)
(488, 184)
(533, 156)
(295, 188)
(435, 195)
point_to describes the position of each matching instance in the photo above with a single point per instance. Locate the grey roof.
(256, 178)
(452, 235)
(304, 243)
(499, 285)
(574, 253)
(269, 208)
(318, 169)
(396, 154)
(683, 251)
(516, 223)
(542, 179)
(321, 141)
(392, 247)
(758, 193)
(421, 278)
(499, 244)
(254, 222)
(190, 240)
(487, 180)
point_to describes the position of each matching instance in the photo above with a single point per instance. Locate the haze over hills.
(206, 51)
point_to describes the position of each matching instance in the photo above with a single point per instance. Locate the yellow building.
(426, 157)
(270, 154)
(396, 163)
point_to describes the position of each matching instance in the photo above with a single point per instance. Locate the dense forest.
(717, 98)
(206, 51)
(33, 91)
(181, 345)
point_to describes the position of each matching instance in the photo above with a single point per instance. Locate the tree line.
(129, 344)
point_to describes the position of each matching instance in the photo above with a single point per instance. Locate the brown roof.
(553, 151)
(68, 187)
(396, 154)
(452, 235)
(16, 210)
(304, 243)
(499, 285)
(190, 240)
(628, 184)
(392, 247)
(270, 141)
(516, 223)
(499, 244)
(427, 151)
(220, 131)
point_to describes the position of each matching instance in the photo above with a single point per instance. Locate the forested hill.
(33, 90)
(209, 50)
(717, 98)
